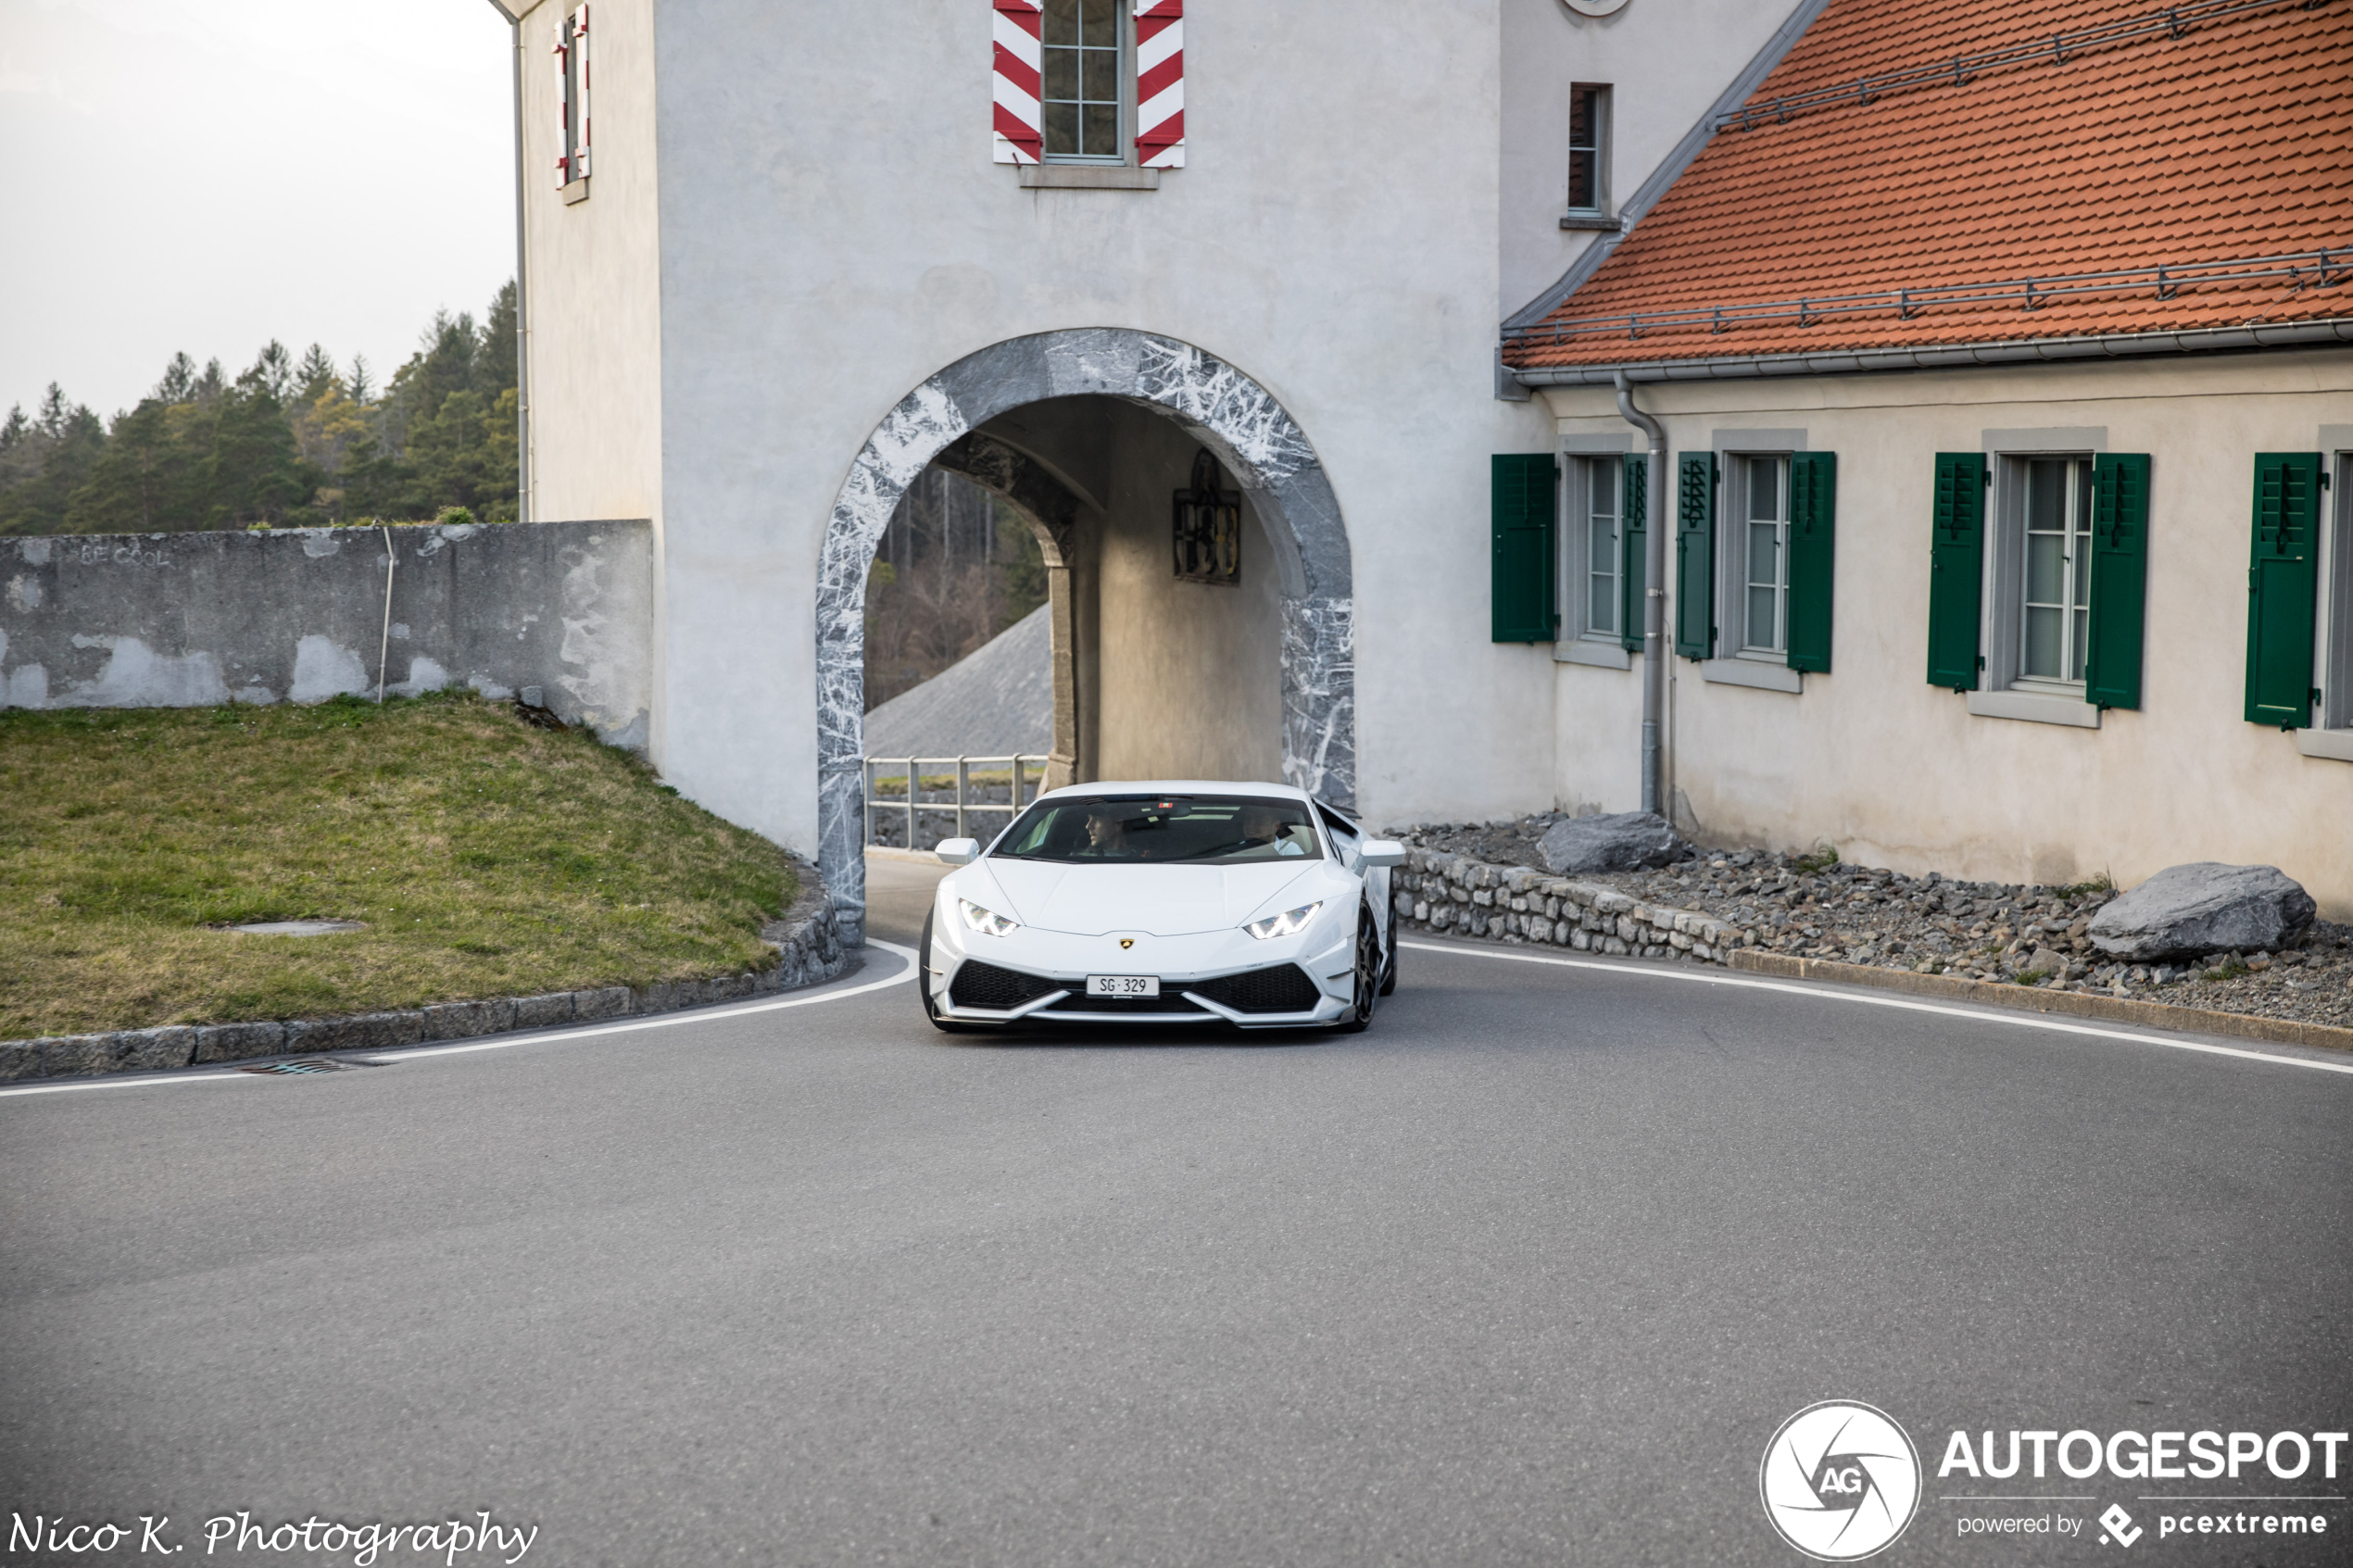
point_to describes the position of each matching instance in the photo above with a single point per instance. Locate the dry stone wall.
(1454, 894)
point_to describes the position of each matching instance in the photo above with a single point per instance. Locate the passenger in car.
(1261, 825)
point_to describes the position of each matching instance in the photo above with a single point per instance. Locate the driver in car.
(1106, 834)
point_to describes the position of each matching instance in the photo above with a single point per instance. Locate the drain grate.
(286, 1068)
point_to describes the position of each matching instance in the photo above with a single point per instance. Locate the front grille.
(1282, 987)
(981, 984)
(1168, 1001)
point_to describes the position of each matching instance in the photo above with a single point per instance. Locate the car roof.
(1179, 787)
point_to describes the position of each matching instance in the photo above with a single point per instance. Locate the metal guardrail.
(2054, 50)
(2311, 268)
(1016, 766)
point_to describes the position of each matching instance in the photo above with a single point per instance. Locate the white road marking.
(1753, 983)
(410, 1053)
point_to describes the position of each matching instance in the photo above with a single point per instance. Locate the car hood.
(1157, 900)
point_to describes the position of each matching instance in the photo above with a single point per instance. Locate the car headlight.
(989, 923)
(1290, 922)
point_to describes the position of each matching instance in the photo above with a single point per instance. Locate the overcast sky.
(210, 176)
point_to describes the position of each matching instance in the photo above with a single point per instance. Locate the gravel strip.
(1814, 906)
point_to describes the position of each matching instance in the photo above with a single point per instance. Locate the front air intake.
(1282, 987)
(985, 985)
(1168, 1001)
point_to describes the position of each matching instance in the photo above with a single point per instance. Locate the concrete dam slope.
(996, 700)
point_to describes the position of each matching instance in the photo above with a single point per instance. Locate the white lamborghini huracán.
(1164, 902)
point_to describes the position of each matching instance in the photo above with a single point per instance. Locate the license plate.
(1123, 985)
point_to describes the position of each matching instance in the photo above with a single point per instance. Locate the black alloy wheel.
(1389, 969)
(922, 984)
(1367, 989)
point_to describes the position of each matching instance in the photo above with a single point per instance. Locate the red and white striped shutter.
(580, 92)
(571, 97)
(1021, 137)
(1160, 83)
(563, 102)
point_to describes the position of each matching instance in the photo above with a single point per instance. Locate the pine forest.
(287, 442)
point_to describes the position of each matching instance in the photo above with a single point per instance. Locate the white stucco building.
(779, 255)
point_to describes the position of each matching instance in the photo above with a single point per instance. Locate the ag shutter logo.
(1841, 1481)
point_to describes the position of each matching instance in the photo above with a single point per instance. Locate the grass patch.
(1817, 862)
(487, 858)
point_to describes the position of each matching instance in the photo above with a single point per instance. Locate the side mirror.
(1382, 852)
(959, 851)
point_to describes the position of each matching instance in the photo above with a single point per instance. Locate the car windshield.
(1200, 830)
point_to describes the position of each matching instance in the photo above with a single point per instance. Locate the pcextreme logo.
(1841, 1481)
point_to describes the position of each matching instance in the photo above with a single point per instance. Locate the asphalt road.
(1529, 1273)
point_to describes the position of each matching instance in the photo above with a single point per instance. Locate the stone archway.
(1253, 435)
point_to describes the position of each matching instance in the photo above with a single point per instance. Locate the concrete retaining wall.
(188, 620)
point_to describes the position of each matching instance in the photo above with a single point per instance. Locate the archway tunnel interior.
(1166, 622)
(1086, 432)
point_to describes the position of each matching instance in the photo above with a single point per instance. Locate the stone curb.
(1456, 894)
(2033, 998)
(807, 939)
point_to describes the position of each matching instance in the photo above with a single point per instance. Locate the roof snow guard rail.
(2311, 268)
(1958, 72)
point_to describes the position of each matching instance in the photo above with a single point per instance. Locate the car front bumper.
(1231, 977)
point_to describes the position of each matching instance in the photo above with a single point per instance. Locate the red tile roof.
(2229, 145)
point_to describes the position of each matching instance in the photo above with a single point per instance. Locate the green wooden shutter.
(1520, 591)
(1813, 556)
(1695, 556)
(2119, 578)
(1634, 531)
(2283, 587)
(1956, 570)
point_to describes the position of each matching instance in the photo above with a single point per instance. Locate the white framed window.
(2040, 574)
(1588, 150)
(1755, 613)
(2333, 667)
(572, 101)
(2332, 731)
(1596, 547)
(1086, 76)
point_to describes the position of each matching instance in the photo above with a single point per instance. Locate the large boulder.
(1624, 841)
(2205, 907)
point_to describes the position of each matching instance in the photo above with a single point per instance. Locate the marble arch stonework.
(1228, 411)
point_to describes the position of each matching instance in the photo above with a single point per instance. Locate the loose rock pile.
(1814, 906)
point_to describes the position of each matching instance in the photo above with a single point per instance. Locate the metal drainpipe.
(523, 299)
(1654, 594)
